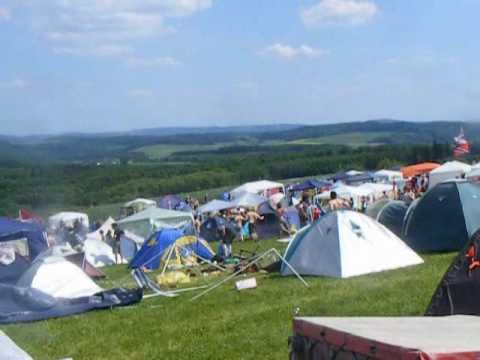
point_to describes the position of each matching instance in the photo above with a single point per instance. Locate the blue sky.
(106, 65)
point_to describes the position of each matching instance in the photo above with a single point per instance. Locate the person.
(102, 235)
(117, 235)
(284, 225)
(109, 238)
(197, 223)
(226, 239)
(240, 220)
(363, 204)
(336, 203)
(253, 216)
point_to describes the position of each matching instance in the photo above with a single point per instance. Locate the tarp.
(445, 218)
(425, 338)
(449, 170)
(11, 351)
(215, 206)
(257, 187)
(57, 277)
(153, 219)
(346, 243)
(20, 304)
(418, 169)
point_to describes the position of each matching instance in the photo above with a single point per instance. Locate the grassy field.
(351, 139)
(227, 324)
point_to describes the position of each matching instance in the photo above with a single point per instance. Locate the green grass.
(351, 139)
(227, 324)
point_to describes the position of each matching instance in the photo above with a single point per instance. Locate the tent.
(20, 304)
(459, 290)
(449, 170)
(474, 175)
(391, 216)
(57, 277)
(262, 187)
(170, 202)
(20, 243)
(107, 226)
(209, 228)
(215, 206)
(153, 219)
(98, 253)
(374, 208)
(387, 175)
(248, 200)
(10, 350)
(418, 169)
(444, 218)
(358, 179)
(68, 218)
(137, 205)
(310, 184)
(170, 243)
(345, 243)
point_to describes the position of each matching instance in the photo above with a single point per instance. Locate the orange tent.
(418, 169)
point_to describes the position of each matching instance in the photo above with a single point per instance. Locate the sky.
(115, 65)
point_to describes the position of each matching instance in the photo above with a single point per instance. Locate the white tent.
(474, 174)
(214, 206)
(261, 187)
(10, 351)
(58, 277)
(98, 253)
(68, 218)
(346, 192)
(449, 170)
(389, 175)
(107, 225)
(140, 201)
(376, 189)
(153, 219)
(353, 172)
(247, 200)
(344, 244)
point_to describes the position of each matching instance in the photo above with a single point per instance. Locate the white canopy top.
(215, 205)
(375, 188)
(256, 187)
(452, 166)
(68, 218)
(248, 200)
(390, 174)
(145, 202)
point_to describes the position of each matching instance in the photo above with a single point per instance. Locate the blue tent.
(36, 242)
(158, 246)
(310, 184)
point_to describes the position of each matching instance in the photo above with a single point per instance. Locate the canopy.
(345, 191)
(389, 175)
(376, 188)
(418, 169)
(257, 187)
(449, 170)
(248, 200)
(68, 218)
(214, 206)
(310, 184)
(153, 219)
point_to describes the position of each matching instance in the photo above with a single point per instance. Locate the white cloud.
(5, 14)
(107, 20)
(140, 93)
(289, 52)
(100, 51)
(14, 84)
(158, 61)
(339, 12)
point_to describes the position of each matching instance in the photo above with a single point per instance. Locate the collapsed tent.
(449, 170)
(445, 218)
(346, 243)
(459, 290)
(20, 243)
(153, 219)
(23, 304)
(173, 245)
(57, 277)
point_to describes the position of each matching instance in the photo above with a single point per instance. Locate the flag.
(26, 215)
(462, 147)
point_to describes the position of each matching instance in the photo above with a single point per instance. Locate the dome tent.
(391, 216)
(444, 218)
(344, 243)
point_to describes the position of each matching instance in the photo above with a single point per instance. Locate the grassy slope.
(226, 323)
(352, 139)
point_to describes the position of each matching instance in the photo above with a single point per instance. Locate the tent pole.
(168, 260)
(290, 267)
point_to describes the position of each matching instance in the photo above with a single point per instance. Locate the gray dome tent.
(391, 216)
(374, 208)
(444, 218)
